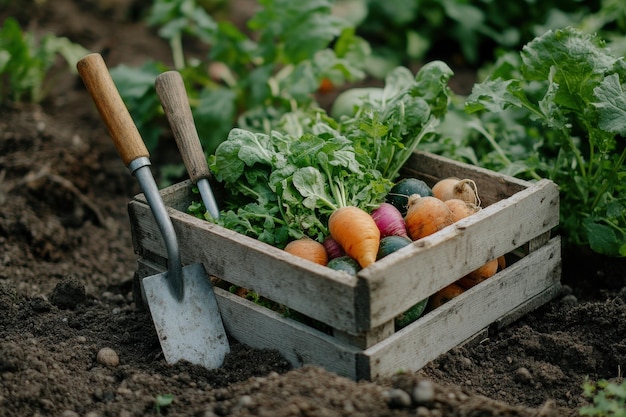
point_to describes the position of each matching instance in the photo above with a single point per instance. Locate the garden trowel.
(171, 91)
(181, 300)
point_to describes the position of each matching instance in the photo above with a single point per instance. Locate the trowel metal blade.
(185, 328)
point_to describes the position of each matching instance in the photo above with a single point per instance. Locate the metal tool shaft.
(140, 168)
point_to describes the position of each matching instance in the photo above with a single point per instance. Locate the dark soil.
(67, 263)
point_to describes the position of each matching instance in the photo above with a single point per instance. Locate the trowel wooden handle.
(122, 128)
(171, 91)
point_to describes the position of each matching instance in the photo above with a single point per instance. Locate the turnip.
(444, 295)
(391, 244)
(460, 209)
(399, 194)
(426, 215)
(462, 189)
(308, 248)
(479, 275)
(344, 263)
(333, 248)
(389, 221)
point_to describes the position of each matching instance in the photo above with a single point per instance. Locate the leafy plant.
(26, 61)
(286, 183)
(609, 399)
(557, 110)
(244, 80)
(471, 28)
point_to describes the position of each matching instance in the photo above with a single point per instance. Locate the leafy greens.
(558, 111)
(285, 184)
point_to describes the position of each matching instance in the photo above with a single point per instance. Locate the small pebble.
(108, 357)
(523, 375)
(422, 411)
(397, 398)
(424, 392)
(247, 401)
(569, 300)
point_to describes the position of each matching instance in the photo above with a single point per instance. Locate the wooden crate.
(358, 312)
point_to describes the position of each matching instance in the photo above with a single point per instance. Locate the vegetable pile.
(285, 184)
(323, 188)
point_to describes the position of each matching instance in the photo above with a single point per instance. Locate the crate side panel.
(261, 328)
(400, 280)
(311, 289)
(492, 186)
(459, 319)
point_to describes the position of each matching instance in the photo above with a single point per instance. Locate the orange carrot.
(308, 248)
(444, 295)
(425, 216)
(501, 263)
(479, 275)
(326, 86)
(460, 209)
(356, 231)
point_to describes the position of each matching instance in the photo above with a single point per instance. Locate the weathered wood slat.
(536, 275)
(261, 328)
(499, 301)
(311, 289)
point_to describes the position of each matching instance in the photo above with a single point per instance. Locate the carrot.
(308, 248)
(479, 275)
(326, 86)
(460, 209)
(426, 215)
(452, 187)
(444, 295)
(356, 231)
(501, 263)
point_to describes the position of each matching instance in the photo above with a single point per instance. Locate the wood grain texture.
(171, 91)
(312, 289)
(502, 299)
(519, 288)
(113, 111)
(431, 263)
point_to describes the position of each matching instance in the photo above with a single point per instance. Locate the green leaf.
(298, 28)
(577, 60)
(214, 116)
(494, 96)
(611, 105)
(310, 182)
(602, 238)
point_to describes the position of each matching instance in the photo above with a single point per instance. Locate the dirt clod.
(68, 293)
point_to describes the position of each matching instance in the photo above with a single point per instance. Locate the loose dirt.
(67, 264)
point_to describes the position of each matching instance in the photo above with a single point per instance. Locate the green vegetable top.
(285, 184)
(558, 110)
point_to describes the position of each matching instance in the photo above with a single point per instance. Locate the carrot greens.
(285, 184)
